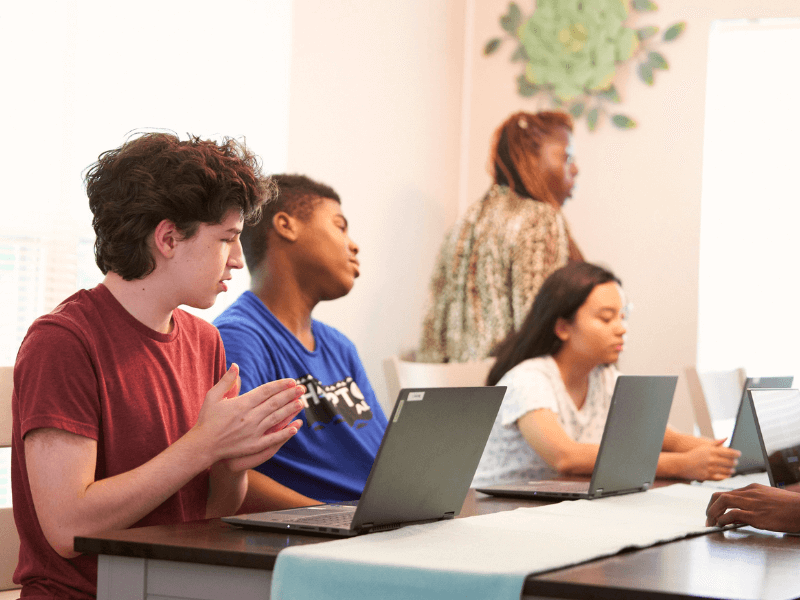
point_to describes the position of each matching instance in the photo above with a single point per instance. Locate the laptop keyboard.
(342, 520)
(335, 519)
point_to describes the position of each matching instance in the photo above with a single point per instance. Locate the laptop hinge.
(449, 515)
(598, 491)
(646, 485)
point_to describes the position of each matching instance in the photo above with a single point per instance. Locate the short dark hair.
(156, 176)
(298, 196)
(560, 297)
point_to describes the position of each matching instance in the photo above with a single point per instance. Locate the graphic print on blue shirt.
(331, 404)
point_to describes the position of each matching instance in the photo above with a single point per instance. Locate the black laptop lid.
(634, 433)
(777, 417)
(429, 454)
(745, 436)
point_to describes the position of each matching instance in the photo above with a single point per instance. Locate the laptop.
(745, 434)
(422, 471)
(628, 455)
(776, 413)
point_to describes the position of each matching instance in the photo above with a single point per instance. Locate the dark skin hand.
(757, 505)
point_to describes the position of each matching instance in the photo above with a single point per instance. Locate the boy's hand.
(251, 461)
(249, 429)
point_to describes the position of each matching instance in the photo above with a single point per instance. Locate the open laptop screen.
(777, 414)
(745, 437)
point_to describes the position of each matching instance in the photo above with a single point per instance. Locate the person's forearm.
(120, 501)
(680, 442)
(264, 493)
(226, 490)
(671, 465)
(579, 460)
(540, 428)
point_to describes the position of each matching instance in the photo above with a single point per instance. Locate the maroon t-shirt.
(92, 369)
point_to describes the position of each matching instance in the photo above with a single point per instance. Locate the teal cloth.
(488, 556)
(334, 580)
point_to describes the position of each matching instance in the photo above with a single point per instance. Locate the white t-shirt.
(533, 384)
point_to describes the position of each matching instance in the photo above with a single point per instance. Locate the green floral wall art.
(572, 51)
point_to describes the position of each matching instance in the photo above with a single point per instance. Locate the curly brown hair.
(156, 176)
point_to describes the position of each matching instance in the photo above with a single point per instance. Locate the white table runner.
(487, 556)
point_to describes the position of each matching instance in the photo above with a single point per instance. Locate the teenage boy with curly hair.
(124, 413)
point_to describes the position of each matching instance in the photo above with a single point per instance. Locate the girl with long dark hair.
(560, 373)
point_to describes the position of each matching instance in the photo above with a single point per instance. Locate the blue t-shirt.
(330, 457)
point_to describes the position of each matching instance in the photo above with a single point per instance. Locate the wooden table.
(209, 560)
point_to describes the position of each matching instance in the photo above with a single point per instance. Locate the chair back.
(401, 374)
(715, 399)
(9, 546)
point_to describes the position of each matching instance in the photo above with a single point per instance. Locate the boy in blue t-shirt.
(299, 254)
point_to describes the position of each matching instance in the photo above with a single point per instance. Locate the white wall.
(637, 205)
(375, 109)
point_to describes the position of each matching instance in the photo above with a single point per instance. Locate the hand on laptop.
(757, 505)
(710, 461)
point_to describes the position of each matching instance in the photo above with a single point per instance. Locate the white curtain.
(77, 77)
(750, 213)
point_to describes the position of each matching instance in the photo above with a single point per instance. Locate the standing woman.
(560, 373)
(494, 260)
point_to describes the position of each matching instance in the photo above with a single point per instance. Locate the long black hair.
(560, 297)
